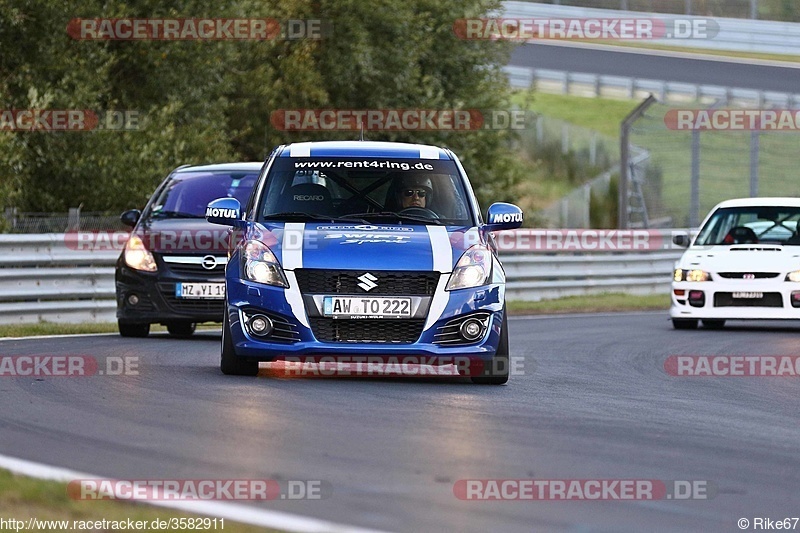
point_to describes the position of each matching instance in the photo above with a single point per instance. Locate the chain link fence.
(14, 221)
(681, 174)
(581, 160)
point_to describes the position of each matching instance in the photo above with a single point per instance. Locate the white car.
(744, 264)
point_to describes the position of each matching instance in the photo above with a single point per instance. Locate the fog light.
(697, 298)
(260, 325)
(133, 299)
(796, 299)
(471, 329)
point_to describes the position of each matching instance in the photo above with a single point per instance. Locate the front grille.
(726, 299)
(398, 331)
(187, 269)
(389, 283)
(756, 275)
(194, 270)
(190, 305)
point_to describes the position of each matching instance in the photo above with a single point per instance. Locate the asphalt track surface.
(655, 65)
(594, 403)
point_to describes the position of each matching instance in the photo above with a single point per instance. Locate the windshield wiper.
(174, 214)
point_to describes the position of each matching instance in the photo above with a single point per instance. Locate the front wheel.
(229, 363)
(181, 329)
(127, 329)
(497, 373)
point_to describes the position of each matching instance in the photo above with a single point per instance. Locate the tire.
(684, 323)
(181, 329)
(128, 329)
(713, 324)
(229, 363)
(497, 373)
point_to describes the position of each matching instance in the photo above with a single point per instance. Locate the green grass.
(52, 328)
(724, 155)
(603, 115)
(606, 302)
(22, 498)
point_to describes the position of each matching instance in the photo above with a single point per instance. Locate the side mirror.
(681, 240)
(225, 211)
(503, 216)
(130, 217)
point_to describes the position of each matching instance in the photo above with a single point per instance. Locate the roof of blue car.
(364, 149)
(222, 167)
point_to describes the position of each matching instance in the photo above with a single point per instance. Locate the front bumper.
(299, 334)
(719, 300)
(157, 301)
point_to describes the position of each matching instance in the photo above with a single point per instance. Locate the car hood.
(743, 258)
(183, 236)
(366, 246)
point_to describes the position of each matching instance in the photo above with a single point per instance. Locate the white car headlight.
(139, 257)
(793, 276)
(690, 275)
(472, 270)
(261, 265)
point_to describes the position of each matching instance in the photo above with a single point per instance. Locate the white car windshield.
(751, 225)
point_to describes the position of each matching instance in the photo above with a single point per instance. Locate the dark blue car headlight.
(261, 265)
(472, 270)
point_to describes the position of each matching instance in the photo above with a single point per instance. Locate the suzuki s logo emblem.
(209, 262)
(367, 282)
(748, 276)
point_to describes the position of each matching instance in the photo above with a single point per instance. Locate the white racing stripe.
(295, 299)
(428, 152)
(230, 511)
(292, 245)
(442, 262)
(442, 249)
(292, 248)
(300, 150)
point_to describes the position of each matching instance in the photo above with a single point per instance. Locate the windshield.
(187, 194)
(751, 225)
(366, 190)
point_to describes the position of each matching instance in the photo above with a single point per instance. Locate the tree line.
(164, 103)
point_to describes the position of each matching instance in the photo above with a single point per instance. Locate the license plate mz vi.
(360, 307)
(200, 291)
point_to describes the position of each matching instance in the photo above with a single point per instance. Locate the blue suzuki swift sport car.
(367, 250)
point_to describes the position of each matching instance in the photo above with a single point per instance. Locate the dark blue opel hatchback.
(360, 249)
(172, 268)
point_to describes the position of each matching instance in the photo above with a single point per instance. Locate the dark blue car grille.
(367, 330)
(389, 283)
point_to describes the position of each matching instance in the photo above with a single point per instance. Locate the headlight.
(260, 265)
(793, 276)
(690, 275)
(137, 256)
(472, 270)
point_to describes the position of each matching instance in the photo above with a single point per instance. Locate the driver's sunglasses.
(421, 193)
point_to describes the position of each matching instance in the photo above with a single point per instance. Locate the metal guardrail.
(556, 81)
(42, 279)
(740, 35)
(535, 277)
